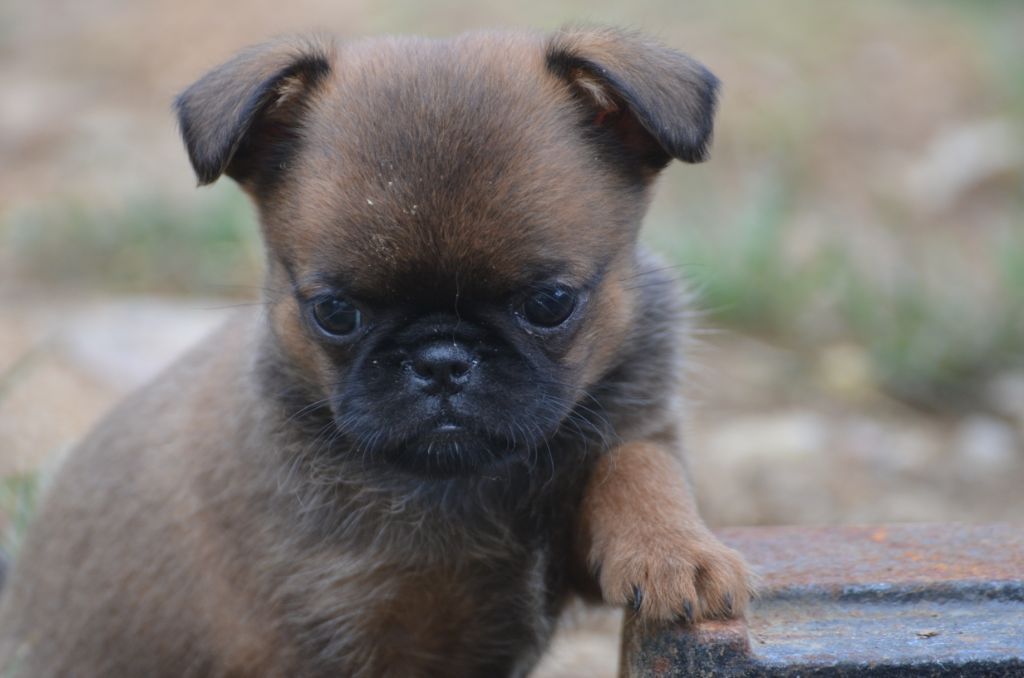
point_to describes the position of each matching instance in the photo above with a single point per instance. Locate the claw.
(638, 597)
(727, 599)
(688, 611)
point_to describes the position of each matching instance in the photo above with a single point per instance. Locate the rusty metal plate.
(891, 600)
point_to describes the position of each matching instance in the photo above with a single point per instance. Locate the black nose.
(442, 366)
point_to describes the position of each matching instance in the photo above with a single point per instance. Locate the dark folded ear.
(659, 103)
(241, 118)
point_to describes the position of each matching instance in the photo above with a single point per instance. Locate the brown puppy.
(458, 406)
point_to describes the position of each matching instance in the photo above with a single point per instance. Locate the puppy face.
(450, 223)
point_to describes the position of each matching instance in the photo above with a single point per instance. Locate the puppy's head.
(451, 223)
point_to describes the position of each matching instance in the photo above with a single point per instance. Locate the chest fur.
(375, 615)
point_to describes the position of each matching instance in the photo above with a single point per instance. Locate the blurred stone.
(786, 436)
(64, 363)
(845, 370)
(127, 342)
(985, 447)
(586, 643)
(18, 337)
(962, 158)
(769, 468)
(890, 447)
(45, 406)
(1006, 396)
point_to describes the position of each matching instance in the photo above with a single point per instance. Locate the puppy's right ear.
(242, 118)
(656, 102)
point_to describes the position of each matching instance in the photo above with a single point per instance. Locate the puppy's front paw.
(674, 575)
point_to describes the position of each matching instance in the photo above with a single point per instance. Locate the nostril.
(423, 367)
(459, 368)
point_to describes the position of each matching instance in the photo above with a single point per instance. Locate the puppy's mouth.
(448, 448)
(443, 446)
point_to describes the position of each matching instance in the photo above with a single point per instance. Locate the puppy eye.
(337, 316)
(550, 307)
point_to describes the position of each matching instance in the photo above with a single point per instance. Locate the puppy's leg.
(646, 545)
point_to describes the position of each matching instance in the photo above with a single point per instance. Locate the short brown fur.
(231, 519)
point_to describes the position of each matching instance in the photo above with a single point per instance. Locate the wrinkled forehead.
(435, 165)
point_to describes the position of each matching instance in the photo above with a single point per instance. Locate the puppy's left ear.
(656, 103)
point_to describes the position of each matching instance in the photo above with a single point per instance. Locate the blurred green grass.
(18, 496)
(932, 339)
(147, 245)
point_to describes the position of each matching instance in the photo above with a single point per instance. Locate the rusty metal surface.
(894, 600)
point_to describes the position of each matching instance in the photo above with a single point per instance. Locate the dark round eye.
(337, 316)
(550, 307)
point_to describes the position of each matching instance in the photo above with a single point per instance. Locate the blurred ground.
(857, 237)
